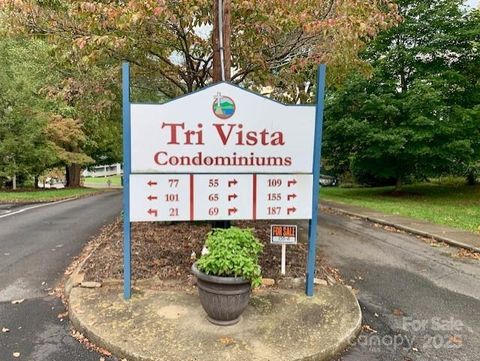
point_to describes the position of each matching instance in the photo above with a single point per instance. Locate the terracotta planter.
(223, 298)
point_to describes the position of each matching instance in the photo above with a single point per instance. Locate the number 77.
(173, 183)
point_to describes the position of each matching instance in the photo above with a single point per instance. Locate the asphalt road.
(421, 302)
(35, 248)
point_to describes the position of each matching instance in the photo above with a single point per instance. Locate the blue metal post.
(127, 246)
(317, 156)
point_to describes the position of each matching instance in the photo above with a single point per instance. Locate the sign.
(222, 153)
(195, 197)
(222, 129)
(283, 234)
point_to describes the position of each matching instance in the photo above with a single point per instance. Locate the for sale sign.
(222, 129)
(283, 234)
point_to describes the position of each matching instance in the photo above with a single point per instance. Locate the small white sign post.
(221, 153)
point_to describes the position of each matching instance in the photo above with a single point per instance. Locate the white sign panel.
(159, 197)
(222, 129)
(223, 196)
(181, 197)
(284, 196)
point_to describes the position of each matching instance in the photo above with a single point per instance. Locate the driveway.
(35, 248)
(419, 302)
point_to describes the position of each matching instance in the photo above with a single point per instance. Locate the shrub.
(232, 252)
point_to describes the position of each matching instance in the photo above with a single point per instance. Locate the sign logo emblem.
(223, 106)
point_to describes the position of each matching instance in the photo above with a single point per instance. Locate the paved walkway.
(453, 236)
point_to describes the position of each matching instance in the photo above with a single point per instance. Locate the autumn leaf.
(368, 329)
(398, 312)
(456, 340)
(226, 340)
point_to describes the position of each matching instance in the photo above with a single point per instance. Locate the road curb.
(40, 204)
(73, 280)
(418, 232)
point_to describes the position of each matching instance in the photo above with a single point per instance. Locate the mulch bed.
(167, 251)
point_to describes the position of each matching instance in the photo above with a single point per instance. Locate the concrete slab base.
(171, 325)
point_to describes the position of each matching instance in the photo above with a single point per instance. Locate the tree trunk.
(471, 178)
(217, 72)
(73, 175)
(36, 182)
(227, 31)
(398, 185)
(14, 182)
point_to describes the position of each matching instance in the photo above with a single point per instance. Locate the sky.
(472, 3)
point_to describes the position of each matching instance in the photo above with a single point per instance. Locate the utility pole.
(222, 55)
(222, 29)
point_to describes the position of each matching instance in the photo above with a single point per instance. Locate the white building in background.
(103, 170)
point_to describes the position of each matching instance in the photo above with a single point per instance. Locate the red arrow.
(151, 198)
(291, 196)
(291, 210)
(152, 183)
(232, 196)
(232, 211)
(234, 182)
(291, 182)
(153, 212)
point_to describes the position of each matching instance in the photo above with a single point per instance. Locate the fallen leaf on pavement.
(455, 340)
(226, 340)
(465, 253)
(5, 330)
(16, 354)
(398, 312)
(62, 315)
(16, 302)
(368, 329)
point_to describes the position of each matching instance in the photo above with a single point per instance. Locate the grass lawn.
(115, 179)
(455, 204)
(47, 195)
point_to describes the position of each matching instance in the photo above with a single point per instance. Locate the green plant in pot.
(226, 273)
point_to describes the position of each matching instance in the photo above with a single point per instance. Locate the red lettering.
(251, 138)
(224, 137)
(264, 134)
(173, 131)
(277, 138)
(156, 158)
